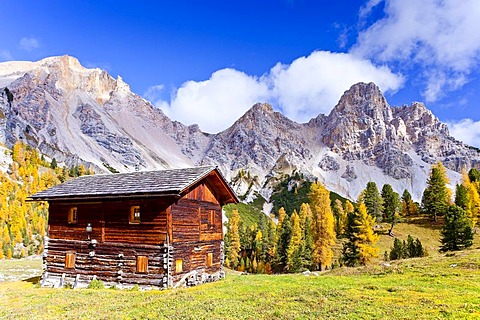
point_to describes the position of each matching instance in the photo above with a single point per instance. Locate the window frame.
(72, 217)
(133, 219)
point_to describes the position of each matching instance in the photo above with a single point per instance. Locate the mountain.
(80, 115)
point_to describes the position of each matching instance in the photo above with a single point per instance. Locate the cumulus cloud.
(312, 85)
(431, 35)
(466, 130)
(216, 103)
(301, 90)
(29, 43)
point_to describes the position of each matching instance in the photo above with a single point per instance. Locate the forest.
(23, 224)
(303, 237)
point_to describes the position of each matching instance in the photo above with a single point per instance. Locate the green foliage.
(474, 175)
(457, 231)
(461, 196)
(96, 284)
(249, 214)
(435, 196)
(110, 168)
(290, 193)
(53, 164)
(391, 206)
(409, 249)
(373, 201)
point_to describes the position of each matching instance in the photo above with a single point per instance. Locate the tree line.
(304, 240)
(23, 224)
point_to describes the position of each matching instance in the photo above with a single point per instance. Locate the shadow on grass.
(33, 280)
(425, 221)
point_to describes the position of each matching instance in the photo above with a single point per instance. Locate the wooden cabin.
(153, 229)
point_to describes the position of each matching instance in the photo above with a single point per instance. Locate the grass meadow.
(440, 286)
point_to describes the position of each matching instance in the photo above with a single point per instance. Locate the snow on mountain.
(79, 115)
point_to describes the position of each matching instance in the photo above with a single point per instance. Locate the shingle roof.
(162, 182)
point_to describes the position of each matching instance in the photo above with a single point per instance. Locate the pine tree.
(391, 204)
(234, 236)
(373, 201)
(435, 198)
(53, 164)
(323, 226)
(457, 231)
(359, 248)
(283, 243)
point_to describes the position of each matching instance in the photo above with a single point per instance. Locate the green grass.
(423, 288)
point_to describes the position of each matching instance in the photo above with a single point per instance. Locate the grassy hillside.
(422, 288)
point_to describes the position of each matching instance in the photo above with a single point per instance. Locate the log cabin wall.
(118, 241)
(197, 231)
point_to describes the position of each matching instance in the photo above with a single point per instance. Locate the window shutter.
(178, 265)
(70, 260)
(72, 215)
(209, 259)
(142, 264)
(135, 214)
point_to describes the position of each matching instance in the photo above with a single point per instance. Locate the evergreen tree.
(398, 250)
(307, 240)
(283, 243)
(53, 164)
(391, 206)
(323, 226)
(411, 247)
(373, 201)
(474, 175)
(457, 231)
(435, 197)
(359, 248)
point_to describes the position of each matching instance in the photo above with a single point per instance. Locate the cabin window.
(142, 264)
(209, 259)
(211, 219)
(70, 260)
(178, 265)
(135, 214)
(72, 215)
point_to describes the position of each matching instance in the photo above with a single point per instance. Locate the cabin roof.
(172, 182)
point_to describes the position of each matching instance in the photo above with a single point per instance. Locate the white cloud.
(216, 103)
(425, 34)
(29, 43)
(308, 86)
(314, 84)
(466, 130)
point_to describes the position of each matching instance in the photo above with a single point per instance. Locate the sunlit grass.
(424, 288)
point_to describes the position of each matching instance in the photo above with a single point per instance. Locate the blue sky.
(207, 62)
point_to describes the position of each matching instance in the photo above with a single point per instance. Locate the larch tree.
(340, 217)
(323, 226)
(391, 206)
(408, 206)
(234, 237)
(294, 254)
(472, 204)
(435, 199)
(359, 248)
(307, 240)
(373, 201)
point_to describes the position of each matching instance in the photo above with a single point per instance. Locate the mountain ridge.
(79, 115)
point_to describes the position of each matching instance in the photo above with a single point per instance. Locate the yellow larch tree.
(323, 226)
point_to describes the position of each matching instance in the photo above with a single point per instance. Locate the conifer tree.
(323, 226)
(349, 208)
(391, 206)
(467, 198)
(234, 236)
(457, 231)
(435, 197)
(307, 240)
(294, 261)
(359, 248)
(283, 243)
(373, 201)
(408, 207)
(340, 218)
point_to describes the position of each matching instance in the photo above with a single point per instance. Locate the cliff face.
(79, 115)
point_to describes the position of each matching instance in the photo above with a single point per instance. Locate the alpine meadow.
(278, 159)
